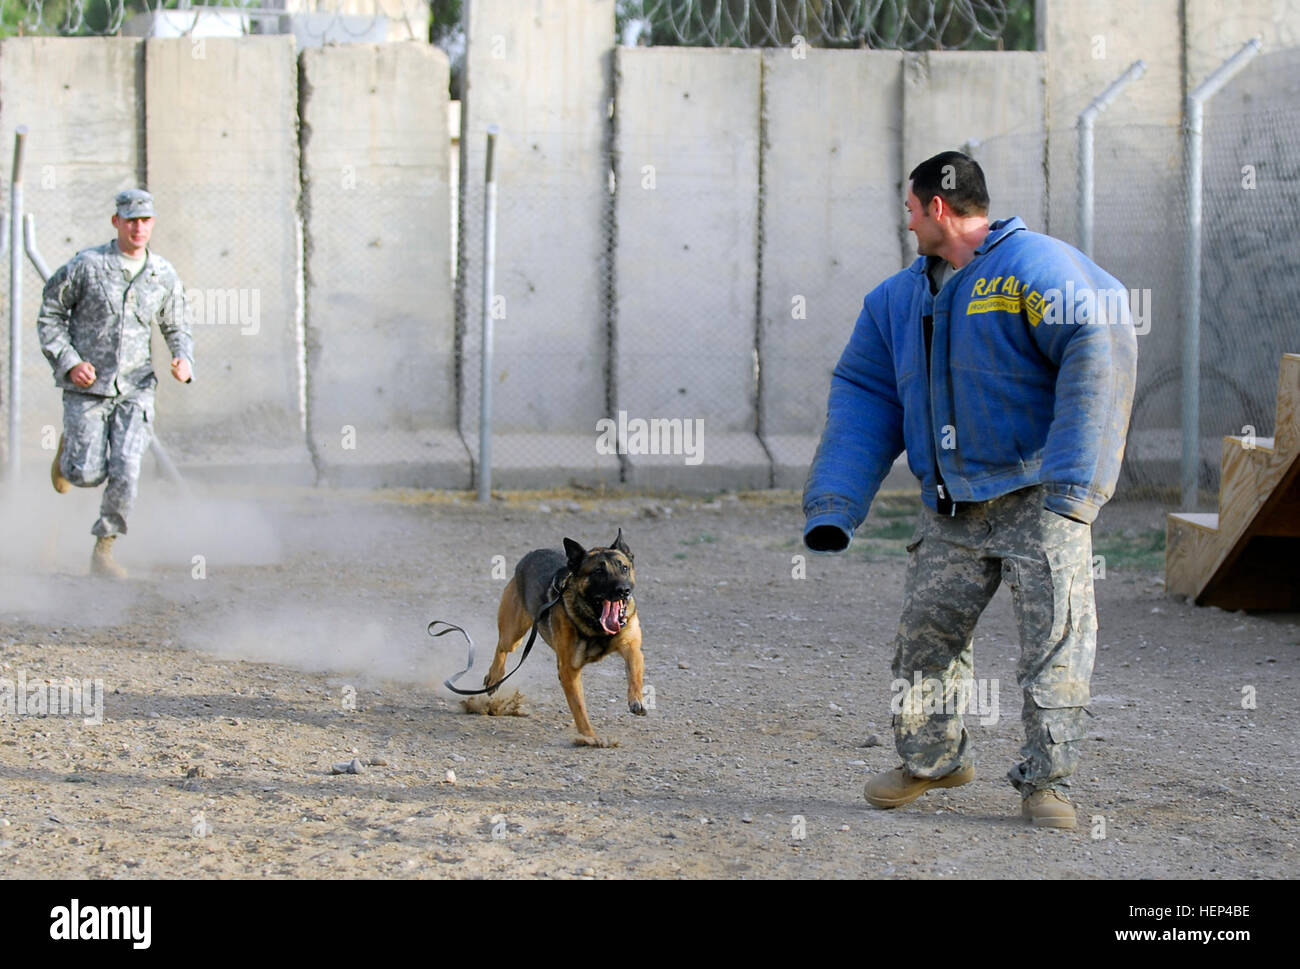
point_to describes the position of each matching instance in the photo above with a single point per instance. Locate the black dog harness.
(554, 592)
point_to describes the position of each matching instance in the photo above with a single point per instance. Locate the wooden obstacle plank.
(1245, 556)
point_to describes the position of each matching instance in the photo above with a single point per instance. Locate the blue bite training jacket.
(1031, 380)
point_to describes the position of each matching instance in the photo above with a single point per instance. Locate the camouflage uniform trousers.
(104, 438)
(955, 566)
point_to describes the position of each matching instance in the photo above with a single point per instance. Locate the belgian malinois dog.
(593, 615)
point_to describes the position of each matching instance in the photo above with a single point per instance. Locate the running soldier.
(95, 325)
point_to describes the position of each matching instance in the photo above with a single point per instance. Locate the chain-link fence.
(1249, 296)
(676, 271)
(1251, 136)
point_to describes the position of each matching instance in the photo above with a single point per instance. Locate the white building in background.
(312, 22)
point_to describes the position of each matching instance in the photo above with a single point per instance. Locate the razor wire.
(879, 24)
(340, 19)
(60, 17)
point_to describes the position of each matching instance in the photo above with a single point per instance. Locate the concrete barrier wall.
(222, 163)
(687, 259)
(1251, 203)
(78, 100)
(1140, 193)
(649, 259)
(952, 98)
(1138, 179)
(539, 70)
(381, 369)
(832, 190)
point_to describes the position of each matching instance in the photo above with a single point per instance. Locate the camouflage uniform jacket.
(92, 312)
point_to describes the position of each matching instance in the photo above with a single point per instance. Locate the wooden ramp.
(1248, 555)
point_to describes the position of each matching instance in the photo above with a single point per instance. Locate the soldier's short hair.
(954, 177)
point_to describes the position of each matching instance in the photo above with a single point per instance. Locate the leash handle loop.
(450, 682)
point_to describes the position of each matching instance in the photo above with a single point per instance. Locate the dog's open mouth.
(613, 616)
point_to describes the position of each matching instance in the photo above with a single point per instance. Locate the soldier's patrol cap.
(134, 203)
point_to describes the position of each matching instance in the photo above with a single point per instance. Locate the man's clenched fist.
(83, 374)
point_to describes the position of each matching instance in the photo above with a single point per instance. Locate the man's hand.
(181, 369)
(83, 374)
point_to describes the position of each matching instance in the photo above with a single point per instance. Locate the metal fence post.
(1087, 117)
(16, 302)
(489, 271)
(1192, 266)
(34, 254)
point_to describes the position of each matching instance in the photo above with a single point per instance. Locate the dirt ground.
(265, 637)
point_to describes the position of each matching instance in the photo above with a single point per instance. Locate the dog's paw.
(581, 741)
(637, 707)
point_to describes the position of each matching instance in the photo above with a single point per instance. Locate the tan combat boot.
(101, 562)
(61, 484)
(897, 787)
(1048, 809)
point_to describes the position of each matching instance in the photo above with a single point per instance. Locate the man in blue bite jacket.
(1004, 362)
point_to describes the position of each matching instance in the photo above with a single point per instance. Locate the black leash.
(557, 588)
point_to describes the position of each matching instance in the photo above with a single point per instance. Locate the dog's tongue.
(609, 617)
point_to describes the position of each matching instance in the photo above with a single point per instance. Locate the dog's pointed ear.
(621, 545)
(575, 552)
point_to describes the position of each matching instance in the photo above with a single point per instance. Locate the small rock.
(588, 872)
(155, 715)
(193, 784)
(857, 763)
(844, 827)
(353, 766)
(746, 820)
(377, 762)
(682, 666)
(196, 772)
(872, 741)
(458, 758)
(572, 506)
(544, 509)
(451, 777)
